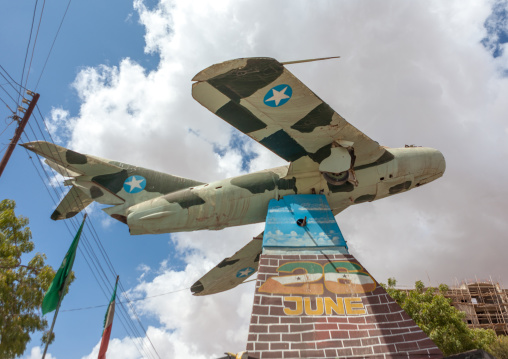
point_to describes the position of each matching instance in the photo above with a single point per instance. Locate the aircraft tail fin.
(104, 181)
(70, 162)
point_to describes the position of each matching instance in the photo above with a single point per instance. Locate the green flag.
(55, 290)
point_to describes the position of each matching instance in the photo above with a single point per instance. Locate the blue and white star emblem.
(278, 95)
(134, 184)
(245, 272)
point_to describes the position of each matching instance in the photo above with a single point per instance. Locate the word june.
(324, 305)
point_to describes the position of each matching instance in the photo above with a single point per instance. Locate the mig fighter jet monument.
(313, 299)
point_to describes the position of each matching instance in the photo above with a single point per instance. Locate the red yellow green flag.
(108, 324)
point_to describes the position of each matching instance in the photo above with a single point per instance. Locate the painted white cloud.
(410, 73)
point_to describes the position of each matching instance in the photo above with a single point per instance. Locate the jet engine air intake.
(337, 168)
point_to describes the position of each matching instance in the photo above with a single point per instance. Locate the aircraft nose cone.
(441, 163)
(430, 168)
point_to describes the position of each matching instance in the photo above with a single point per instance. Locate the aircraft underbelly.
(244, 199)
(223, 213)
(229, 207)
(219, 209)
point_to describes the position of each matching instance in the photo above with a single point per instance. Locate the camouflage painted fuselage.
(153, 202)
(244, 199)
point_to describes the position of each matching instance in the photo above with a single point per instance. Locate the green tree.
(22, 286)
(443, 323)
(499, 348)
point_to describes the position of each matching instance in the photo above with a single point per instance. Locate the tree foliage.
(443, 323)
(23, 283)
(499, 348)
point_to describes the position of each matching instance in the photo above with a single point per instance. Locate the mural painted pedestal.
(317, 301)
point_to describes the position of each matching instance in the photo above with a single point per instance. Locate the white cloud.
(197, 326)
(60, 125)
(496, 24)
(36, 353)
(126, 348)
(410, 73)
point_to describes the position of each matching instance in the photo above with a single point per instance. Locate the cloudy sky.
(118, 85)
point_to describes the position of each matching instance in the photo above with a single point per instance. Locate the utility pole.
(19, 129)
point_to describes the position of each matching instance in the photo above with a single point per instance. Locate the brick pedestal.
(328, 306)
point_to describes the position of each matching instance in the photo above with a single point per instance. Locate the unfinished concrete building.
(484, 302)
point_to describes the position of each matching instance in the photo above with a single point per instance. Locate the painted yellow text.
(326, 305)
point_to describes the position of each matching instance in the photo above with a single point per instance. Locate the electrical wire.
(93, 260)
(56, 193)
(35, 43)
(141, 299)
(122, 315)
(5, 103)
(131, 300)
(11, 80)
(53, 44)
(29, 41)
(8, 94)
(105, 257)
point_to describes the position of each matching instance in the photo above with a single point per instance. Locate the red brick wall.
(309, 317)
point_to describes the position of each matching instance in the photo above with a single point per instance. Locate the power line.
(104, 255)
(87, 250)
(130, 300)
(53, 44)
(8, 94)
(28, 45)
(140, 299)
(122, 315)
(5, 103)
(12, 80)
(93, 261)
(35, 42)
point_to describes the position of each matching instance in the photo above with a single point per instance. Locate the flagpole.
(54, 320)
(57, 309)
(108, 324)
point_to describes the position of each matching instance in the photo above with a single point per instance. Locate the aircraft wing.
(262, 99)
(231, 271)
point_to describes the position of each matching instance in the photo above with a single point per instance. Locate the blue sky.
(92, 34)
(428, 73)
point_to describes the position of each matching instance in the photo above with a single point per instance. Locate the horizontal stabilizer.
(231, 271)
(74, 201)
